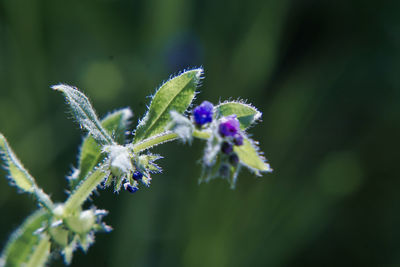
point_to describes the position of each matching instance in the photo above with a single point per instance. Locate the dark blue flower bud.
(130, 189)
(234, 159)
(238, 139)
(137, 175)
(224, 170)
(229, 126)
(204, 113)
(226, 148)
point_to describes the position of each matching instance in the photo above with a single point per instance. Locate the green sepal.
(176, 94)
(59, 235)
(69, 250)
(116, 124)
(20, 246)
(246, 114)
(146, 163)
(214, 171)
(250, 156)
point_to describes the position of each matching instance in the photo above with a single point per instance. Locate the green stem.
(43, 198)
(84, 190)
(79, 196)
(163, 138)
(201, 134)
(153, 141)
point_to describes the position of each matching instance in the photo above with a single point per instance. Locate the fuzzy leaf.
(20, 246)
(251, 158)
(176, 94)
(246, 114)
(116, 124)
(18, 175)
(84, 113)
(41, 253)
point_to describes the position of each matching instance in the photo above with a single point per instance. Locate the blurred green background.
(325, 74)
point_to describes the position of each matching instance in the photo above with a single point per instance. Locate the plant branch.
(84, 190)
(163, 138)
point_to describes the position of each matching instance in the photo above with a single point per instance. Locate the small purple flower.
(226, 148)
(238, 139)
(204, 113)
(229, 126)
(130, 189)
(137, 175)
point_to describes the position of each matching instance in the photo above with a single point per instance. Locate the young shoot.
(108, 159)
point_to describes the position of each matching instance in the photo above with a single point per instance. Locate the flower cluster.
(229, 130)
(127, 169)
(223, 135)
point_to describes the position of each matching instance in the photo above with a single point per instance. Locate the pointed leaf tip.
(84, 112)
(18, 175)
(175, 94)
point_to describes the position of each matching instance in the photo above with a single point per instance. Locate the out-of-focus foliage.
(324, 74)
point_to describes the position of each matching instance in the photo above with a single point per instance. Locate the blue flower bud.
(224, 170)
(226, 148)
(229, 126)
(234, 159)
(129, 188)
(203, 113)
(238, 139)
(137, 175)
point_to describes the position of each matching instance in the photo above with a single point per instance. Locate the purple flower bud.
(234, 159)
(229, 126)
(238, 139)
(137, 175)
(226, 148)
(204, 113)
(130, 189)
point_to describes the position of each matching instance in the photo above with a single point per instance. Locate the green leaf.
(250, 157)
(23, 241)
(176, 94)
(18, 175)
(41, 253)
(246, 114)
(116, 124)
(84, 113)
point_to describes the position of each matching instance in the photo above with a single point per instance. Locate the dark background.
(325, 74)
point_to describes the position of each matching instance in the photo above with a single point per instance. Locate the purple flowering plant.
(108, 158)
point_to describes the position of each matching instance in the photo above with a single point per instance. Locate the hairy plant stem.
(163, 138)
(85, 189)
(43, 198)
(87, 186)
